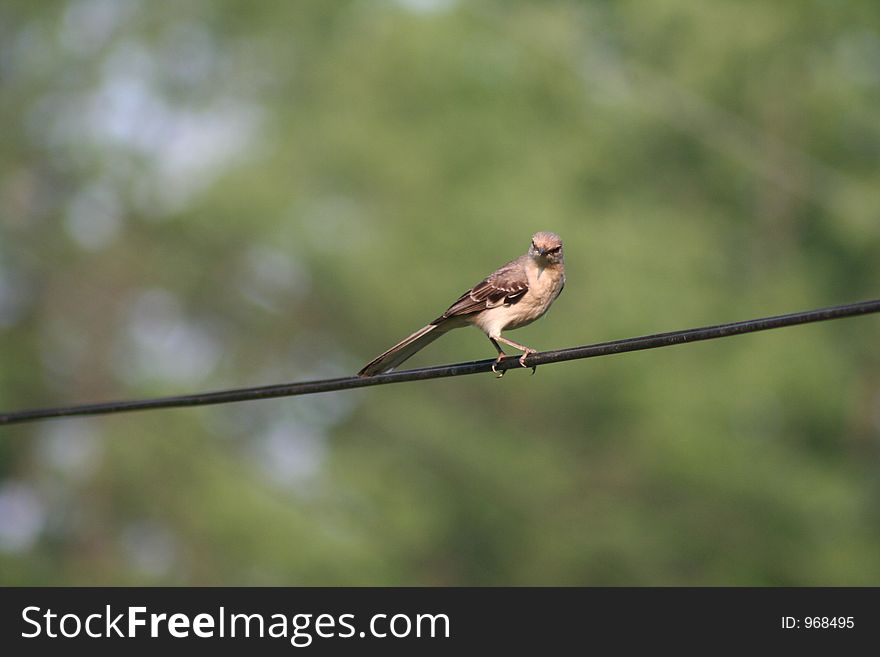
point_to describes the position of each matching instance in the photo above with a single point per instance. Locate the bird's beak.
(542, 252)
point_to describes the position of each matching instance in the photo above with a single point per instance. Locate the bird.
(513, 296)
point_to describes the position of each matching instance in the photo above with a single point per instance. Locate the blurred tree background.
(203, 195)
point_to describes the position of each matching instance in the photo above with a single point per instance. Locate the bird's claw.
(522, 361)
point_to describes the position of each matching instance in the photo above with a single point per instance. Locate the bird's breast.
(544, 286)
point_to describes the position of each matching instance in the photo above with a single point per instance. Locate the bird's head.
(547, 247)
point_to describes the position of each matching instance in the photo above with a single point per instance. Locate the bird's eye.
(556, 249)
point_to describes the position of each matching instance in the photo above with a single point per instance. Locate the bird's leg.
(501, 355)
(526, 350)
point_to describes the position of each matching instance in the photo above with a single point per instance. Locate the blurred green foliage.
(216, 194)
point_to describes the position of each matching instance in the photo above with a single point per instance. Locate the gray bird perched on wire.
(515, 295)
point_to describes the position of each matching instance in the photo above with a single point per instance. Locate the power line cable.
(474, 367)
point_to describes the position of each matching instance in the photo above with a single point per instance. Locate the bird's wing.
(506, 286)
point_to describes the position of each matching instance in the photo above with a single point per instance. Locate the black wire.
(474, 367)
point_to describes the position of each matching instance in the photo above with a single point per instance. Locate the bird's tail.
(402, 350)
